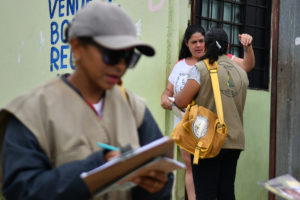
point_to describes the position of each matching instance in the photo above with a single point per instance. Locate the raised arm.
(248, 62)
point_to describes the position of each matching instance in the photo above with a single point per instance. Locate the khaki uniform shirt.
(233, 82)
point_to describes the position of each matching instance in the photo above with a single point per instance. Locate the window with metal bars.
(241, 16)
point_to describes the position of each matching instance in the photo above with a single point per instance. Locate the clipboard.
(164, 164)
(102, 178)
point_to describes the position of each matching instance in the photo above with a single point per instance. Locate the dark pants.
(214, 178)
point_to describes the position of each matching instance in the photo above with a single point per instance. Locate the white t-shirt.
(178, 77)
(98, 107)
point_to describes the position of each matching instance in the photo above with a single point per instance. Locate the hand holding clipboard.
(113, 175)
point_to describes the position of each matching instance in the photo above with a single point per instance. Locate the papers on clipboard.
(285, 186)
(117, 173)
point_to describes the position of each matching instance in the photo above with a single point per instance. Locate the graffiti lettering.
(156, 7)
(60, 52)
(54, 57)
(65, 7)
(51, 11)
(57, 33)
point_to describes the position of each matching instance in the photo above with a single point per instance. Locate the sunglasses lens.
(133, 59)
(106, 59)
(111, 57)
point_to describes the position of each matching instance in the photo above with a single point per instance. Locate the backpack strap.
(213, 70)
(123, 92)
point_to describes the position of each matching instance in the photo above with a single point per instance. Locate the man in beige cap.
(49, 135)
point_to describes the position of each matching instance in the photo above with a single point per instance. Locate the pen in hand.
(108, 147)
(115, 151)
(109, 152)
(123, 149)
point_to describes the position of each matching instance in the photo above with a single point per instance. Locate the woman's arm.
(248, 62)
(190, 90)
(168, 92)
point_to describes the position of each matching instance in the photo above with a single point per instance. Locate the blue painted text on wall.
(60, 52)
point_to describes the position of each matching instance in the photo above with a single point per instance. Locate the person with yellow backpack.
(214, 177)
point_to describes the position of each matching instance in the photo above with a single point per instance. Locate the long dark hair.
(216, 43)
(190, 30)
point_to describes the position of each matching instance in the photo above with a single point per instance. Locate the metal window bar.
(239, 24)
(260, 30)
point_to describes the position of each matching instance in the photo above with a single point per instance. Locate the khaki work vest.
(67, 129)
(233, 82)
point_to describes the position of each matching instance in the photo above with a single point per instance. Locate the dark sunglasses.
(113, 57)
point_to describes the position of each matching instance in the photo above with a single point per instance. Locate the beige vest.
(233, 86)
(67, 129)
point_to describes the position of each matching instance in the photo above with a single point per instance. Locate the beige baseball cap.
(109, 25)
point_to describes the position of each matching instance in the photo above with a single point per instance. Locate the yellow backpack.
(200, 131)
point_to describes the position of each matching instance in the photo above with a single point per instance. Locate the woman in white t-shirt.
(192, 48)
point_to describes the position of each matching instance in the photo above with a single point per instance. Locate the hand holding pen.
(109, 151)
(152, 182)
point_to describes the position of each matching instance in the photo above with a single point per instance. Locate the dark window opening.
(241, 16)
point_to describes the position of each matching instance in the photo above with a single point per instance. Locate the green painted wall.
(24, 46)
(253, 165)
(163, 29)
(25, 62)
